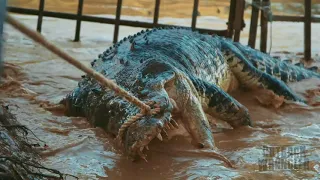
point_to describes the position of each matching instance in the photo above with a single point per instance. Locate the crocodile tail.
(283, 70)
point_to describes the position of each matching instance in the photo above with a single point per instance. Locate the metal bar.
(231, 18)
(117, 22)
(74, 16)
(238, 21)
(78, 26)
(264, 29)
(254, 24)
(156, 13)
(40, 15)
(288, 18)
(315, 19)
(307, 30)
(3, 5)
(194, 14)
(104, 20)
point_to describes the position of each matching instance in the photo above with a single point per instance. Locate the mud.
(36, 80)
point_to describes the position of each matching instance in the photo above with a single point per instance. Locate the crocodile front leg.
(184, 94)
(171, 88)
(140, 133)
(219, 104)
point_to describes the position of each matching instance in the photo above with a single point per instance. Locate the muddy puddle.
(36, 79)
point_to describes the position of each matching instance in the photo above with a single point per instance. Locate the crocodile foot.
(142, 132)
(176, 96)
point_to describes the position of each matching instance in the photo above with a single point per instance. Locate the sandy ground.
(79, 149)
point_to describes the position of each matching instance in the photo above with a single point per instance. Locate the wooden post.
(194, 14)
(264, 28)
(307, 30)
(40, 16)
(254, 23)
(231, 18)
(156, 13)
(78, 26)
(117, 22)
(238, 21)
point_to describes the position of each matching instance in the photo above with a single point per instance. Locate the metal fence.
(307, 19)
(79, 17)
(235, 21)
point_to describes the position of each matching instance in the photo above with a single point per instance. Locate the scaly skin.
(188, 74)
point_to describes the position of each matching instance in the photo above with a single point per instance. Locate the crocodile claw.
(141, 133)
(159, 137)
(174, 123)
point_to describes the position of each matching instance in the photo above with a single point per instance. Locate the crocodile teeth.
(134, 146)
(142, 156)
(171, 126)
(159, 137)
(175, 124)
(147, 147)
(167, 126)
(164, 133)
(141, 148)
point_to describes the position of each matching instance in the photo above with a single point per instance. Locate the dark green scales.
(188, 73)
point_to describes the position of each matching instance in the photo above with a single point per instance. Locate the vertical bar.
(117, 23)
(307, 30)
(264, 28)
(78, 26)
(254, 24)
(194, 14)
(238, 21)
(231, 18)
(3, 6)
(156, 13)
(41, 7)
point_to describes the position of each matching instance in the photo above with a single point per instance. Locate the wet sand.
(76, 148)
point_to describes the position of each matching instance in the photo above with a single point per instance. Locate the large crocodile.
(188, 74)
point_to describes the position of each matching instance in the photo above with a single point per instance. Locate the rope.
(133, 119)
(145, 109)
(96, 75)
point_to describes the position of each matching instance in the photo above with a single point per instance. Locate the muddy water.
(36, 78)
